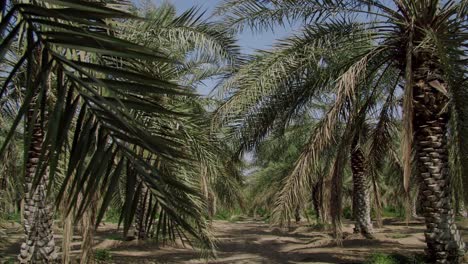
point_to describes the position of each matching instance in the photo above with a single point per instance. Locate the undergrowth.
(380, 258)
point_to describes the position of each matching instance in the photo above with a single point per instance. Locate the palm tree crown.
(421, 45)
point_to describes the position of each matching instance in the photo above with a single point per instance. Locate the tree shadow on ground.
(256, 244)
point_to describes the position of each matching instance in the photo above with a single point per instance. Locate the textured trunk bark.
(419, 207)
(377, 205)
(318, 202)
(414, 205)
(39, 246)
(354, 207)
(3, 185)
(67, 237)
(297, 215)
(361, 200)
(211, 205)
(461, 211)
(141, 214)
(3, 202)
(378, 217)
(88, 223)
(5, 171)
(325, 199)
(445, 245)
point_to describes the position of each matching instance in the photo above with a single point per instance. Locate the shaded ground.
(256, 242)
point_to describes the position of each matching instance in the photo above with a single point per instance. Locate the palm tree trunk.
(461, 211)
(325, 200)
(297, 215)
(414, 205)
(445, 245)
(9, 167)
(67, 236)
(377, 205)
(141, 214)
(39, 246)
(378, 216)
(3, 201)
(88, 226)
(460, 208)
(321, 199)
(361, 199)
(316, 200)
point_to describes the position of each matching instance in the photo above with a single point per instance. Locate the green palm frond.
(383, 42)
(275, 157)
(257, 15)
(274, 86)
(103, 98)
(268, 71)
(199, 40)
(265, 15)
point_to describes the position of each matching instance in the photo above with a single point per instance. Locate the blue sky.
(248, 41)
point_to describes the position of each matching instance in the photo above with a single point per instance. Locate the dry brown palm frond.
(299, 180)
(408, 115)
(337, 186)
(380, 141)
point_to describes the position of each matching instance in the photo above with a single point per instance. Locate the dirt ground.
(255, 242)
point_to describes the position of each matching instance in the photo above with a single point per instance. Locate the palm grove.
(98, 104)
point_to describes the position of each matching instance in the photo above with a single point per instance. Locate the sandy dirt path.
(256, 242)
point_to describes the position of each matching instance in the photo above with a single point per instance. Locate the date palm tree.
(87, 99)
(273, 87)
(423, 43)
(274, 157)
(205, 50)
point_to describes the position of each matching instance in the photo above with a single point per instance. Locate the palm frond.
(104, 95)
(198, 39)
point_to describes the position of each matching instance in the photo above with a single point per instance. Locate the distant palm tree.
(274, 157)
(422, 43)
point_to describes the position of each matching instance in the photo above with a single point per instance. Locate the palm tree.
(423, 43)
(204, 51)
(274, 157)
(361, 194)
(273, 87)
(87, 99)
